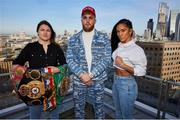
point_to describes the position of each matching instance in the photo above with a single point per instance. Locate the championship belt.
(37, 87)
(49, 102)
(18, 72)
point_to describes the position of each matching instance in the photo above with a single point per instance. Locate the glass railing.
(161, 94)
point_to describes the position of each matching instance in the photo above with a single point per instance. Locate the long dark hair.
(53, 34)
(114, 38)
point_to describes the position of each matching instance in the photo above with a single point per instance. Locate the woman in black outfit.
(44, 53)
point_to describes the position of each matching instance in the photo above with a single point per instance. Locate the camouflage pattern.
(95, 93)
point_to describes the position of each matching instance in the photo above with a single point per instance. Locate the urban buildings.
(167, 29)
(163, 59)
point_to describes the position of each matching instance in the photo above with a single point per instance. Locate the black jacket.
(37, 58)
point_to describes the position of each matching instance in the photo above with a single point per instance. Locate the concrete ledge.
(10, 110)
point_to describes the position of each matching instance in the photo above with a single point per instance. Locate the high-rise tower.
(177, 28)
(161, 29)
(172, 22)
(150, 25)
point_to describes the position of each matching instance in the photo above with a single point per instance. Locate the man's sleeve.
(71, 59)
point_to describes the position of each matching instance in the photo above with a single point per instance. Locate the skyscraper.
(161, 29)
(172, 22)
(177, 29)
(150, 25)
(147, 34)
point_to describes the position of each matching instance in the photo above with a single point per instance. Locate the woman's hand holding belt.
(54, 69)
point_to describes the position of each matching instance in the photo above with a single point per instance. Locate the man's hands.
(86, 79)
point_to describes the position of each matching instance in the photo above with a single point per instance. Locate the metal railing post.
(166, 97)
(159, 100)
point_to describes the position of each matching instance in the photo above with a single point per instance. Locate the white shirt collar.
(88, 33)
(131, 42)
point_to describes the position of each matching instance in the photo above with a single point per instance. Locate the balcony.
(156, 99)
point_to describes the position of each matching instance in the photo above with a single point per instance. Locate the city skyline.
(23, 16)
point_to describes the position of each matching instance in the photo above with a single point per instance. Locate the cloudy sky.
(23, 15)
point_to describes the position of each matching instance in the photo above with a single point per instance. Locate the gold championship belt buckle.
(33, 74)
(34, 89)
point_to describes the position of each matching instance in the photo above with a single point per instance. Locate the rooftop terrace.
(156, 99)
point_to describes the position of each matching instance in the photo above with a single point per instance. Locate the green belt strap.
(57, 79)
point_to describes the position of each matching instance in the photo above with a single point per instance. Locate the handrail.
(4, 74)
(159, 79)
(154, 78)
(146, 76)
(173, 82)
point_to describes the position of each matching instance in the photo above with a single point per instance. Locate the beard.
(88, 29)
